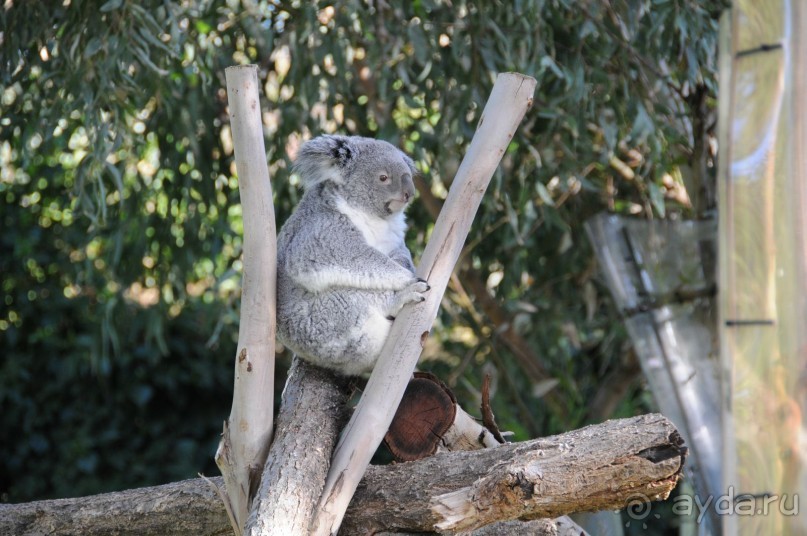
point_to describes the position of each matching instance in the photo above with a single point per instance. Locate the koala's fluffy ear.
(323, 158)
(411, 163)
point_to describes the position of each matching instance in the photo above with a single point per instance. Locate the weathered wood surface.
(595, 468)
(189, 507)
(562, 526)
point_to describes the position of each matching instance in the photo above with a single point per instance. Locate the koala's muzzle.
(407, 192)
(407, 187)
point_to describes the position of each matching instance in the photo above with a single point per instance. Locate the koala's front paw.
(413, 293)
(420, 286)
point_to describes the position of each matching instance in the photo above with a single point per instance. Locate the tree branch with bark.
(603, 466)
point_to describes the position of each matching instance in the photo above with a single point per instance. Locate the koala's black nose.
(407, 196)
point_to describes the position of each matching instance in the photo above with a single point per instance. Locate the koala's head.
(371, 175)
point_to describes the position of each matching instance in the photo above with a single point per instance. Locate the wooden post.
(248, 432)
(511, 97)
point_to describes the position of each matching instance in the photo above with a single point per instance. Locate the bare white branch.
(248, 432)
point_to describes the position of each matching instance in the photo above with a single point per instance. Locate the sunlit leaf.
(544, 194)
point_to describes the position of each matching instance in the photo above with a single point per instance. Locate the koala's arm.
(402, 256)
(334, 257)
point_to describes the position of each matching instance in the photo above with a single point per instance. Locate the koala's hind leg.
(355, 351)
(411, 294)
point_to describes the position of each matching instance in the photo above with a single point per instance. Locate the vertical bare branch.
(248, 432)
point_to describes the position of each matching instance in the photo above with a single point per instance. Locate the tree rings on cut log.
(426, 411)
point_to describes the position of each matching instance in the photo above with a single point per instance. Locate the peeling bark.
(595, 468)
(312, 412)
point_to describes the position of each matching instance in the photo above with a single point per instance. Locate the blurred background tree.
(120, 263)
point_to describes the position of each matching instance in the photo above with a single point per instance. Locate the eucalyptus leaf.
(93, 46)
(110, 5)
(544, 194)
(657, 199)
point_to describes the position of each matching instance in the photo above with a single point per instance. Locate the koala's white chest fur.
(383, 234)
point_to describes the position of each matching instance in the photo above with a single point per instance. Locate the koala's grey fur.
(344, 271)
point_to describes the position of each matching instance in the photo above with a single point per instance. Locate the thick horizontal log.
(595, 468)
(562, 526)
(180, 508)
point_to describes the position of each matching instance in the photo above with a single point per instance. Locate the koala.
(344, 271)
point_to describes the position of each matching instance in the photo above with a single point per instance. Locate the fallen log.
(599, 467)
(595, 468)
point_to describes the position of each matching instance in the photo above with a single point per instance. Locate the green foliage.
(120, 268)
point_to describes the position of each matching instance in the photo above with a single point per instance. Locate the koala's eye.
(383, 178)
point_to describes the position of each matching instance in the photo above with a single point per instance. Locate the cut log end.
(426, 412)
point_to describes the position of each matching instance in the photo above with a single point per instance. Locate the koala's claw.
(418, 288)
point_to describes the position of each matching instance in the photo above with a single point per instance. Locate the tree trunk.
(599, 467)
(595, 468)
(312, 412)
